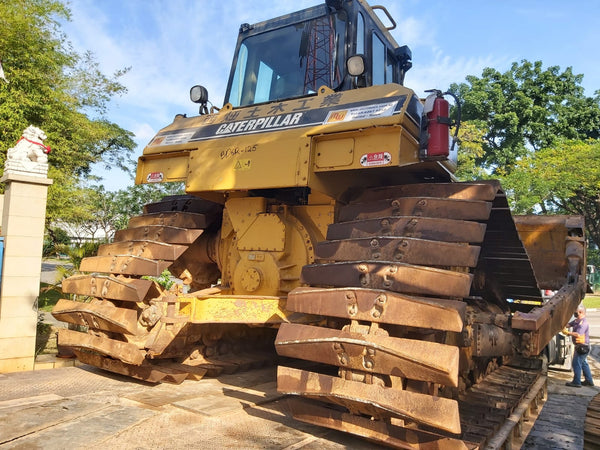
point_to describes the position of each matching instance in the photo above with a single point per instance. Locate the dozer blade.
(407, 250)
(397, 277)
(448, 230)
(418, 206)
(143, 249)
(380, 306)
(371, 399)
(545, 238)
(127, 265)
(374, 430)
(124, 351)
(483, 190)
(173, 219)
(373, 353)
(170, 235)
(130, 290)
(152, 373)
(100, 316)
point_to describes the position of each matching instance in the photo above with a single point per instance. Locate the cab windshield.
(292, 61)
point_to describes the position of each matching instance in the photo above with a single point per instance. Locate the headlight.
(356, 65)
(199, 94)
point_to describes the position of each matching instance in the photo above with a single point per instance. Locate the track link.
(395, 279)
(126, 321)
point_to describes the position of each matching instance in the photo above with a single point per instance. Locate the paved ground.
(77, 407)
(560, 424)
(83, 407)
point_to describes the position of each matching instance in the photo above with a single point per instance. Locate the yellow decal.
(242, 164)
(337, 116)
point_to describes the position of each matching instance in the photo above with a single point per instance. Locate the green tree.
(526, 109)
(61, 91)
(470, 151)
(127, 203)
(560, 179)
(98, 213)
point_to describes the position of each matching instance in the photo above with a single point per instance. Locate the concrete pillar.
(23, 218)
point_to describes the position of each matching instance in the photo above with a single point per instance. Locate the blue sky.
(171, 45)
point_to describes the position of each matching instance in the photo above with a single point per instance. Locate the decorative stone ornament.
(29, 156)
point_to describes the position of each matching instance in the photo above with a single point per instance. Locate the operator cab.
(341, 44)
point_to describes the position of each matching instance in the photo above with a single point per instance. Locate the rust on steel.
(171, 235)
(125, 264)
(95, 285)
(480, 190)
(405, 249)
(418, 206)
(398, 277)
(445, 230)
(173, 218)
(126, 352)
(374, 353)
(384, 432)
(151, 373)
(380, 306)
(372, 399)
(144, 249)
(98, 315)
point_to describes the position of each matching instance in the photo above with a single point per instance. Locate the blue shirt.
(580, 327)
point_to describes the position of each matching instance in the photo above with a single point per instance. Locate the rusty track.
(414, 280)
(130, 327)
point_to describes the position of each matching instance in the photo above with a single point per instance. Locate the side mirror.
(199, 94)
(404, 56)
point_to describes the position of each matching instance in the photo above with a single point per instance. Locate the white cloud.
(443, 70)
(144, 133)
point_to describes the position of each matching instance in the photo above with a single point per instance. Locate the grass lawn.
(47, 298)
(591, 301)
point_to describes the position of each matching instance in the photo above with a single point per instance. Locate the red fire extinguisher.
(435, 133)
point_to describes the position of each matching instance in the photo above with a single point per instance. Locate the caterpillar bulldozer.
(322, 218)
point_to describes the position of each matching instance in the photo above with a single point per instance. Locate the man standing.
(581, 338)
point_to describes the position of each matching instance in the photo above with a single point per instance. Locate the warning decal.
(242, 164)
(154, 177)
(375, 159)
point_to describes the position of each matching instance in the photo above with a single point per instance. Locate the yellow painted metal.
(332, 131)
(262, 161)
(334, 152)
(163, 167)
(255, 229)
(237, 309)
(347, 150)
(263, 247)
(317, 216)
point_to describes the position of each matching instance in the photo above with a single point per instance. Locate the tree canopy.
(536, 130)
(60, 91)
(563, 178)
(525, 109)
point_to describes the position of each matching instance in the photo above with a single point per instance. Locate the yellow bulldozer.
(322, 221)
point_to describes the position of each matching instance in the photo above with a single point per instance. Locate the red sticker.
(375, 159)
(154, 177)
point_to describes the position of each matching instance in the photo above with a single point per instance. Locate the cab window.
(360, 34)
(378, 60)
